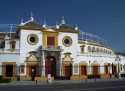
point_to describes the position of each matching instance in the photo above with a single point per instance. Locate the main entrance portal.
(50, 66)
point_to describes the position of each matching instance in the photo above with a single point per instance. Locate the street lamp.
(118, 59)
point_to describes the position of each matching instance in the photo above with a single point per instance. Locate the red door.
(33, 70)
(50, 41)
(106, 69)
(95, 70)
(68, 70)
(114, 69)
(50, 66)
(83, 70)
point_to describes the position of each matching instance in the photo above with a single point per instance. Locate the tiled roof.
(31, 25)
(67, 28)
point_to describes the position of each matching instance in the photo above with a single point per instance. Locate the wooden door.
(114, 69)
(83, 70)
(50, 66)
(95, 70)
(68, 70)
(106, 69)
(50, 41)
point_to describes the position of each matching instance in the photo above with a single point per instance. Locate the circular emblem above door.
(67, 41)
(32, 39)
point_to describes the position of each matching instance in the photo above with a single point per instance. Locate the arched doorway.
(50, 66)
(106, 68)
(114, 69)
(32, 66)
(95, 70)
(83, 68)
(68, 70)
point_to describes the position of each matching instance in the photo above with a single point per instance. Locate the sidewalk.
(59, 82)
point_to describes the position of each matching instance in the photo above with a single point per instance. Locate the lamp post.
(118, 62)
(89, 67)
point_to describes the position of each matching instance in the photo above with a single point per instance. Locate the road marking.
(88, 89)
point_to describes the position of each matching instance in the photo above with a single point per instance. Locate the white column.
(43, 63)
(101, 69)
(89, 69)
(110, 68)
(18, 70)
(0, 69)
(60, 65)
(25, 69)
(86, 48)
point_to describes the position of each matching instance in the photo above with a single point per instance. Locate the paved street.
(118, 85)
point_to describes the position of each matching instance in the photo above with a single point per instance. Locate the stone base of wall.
(12, 78)
(24, 78)
(105, 76)
(41, 78)
(77, 77)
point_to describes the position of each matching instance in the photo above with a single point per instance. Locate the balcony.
(52, 48)
(4, 51)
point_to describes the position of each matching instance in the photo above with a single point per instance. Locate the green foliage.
(91, 76)
(3, 80)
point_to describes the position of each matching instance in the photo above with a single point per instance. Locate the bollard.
(49, 80)
(36, 82)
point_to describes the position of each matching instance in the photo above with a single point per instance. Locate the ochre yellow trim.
(95, 64)
(49, 33)
(77, 77)
(4, 69)
(106, 65)
(82, 64)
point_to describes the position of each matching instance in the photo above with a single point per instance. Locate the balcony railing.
(2, 50)
(52, 48)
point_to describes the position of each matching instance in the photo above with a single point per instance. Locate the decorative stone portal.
(50, 66)
(67, 69)
(32, 68)
(67, 65)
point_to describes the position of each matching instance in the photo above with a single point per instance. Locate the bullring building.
(63, 51)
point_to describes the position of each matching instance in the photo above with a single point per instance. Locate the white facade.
(59, 52)
(25, 47)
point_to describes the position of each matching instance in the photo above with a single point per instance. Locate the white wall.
(25, 47)
(9, 57)
(0, 68)
(73, 47)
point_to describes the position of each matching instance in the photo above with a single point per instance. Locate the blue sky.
(105, 18)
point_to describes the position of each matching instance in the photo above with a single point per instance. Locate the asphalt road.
(96, 86)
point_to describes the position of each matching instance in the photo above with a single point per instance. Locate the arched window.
(124, 67)
(2, 44)
(93, 49)
(104, 51)
(101, 50)
(13, 44)
(22, 68)
(75, 68)
(89, 49)
(82, 48)
(97, 50)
